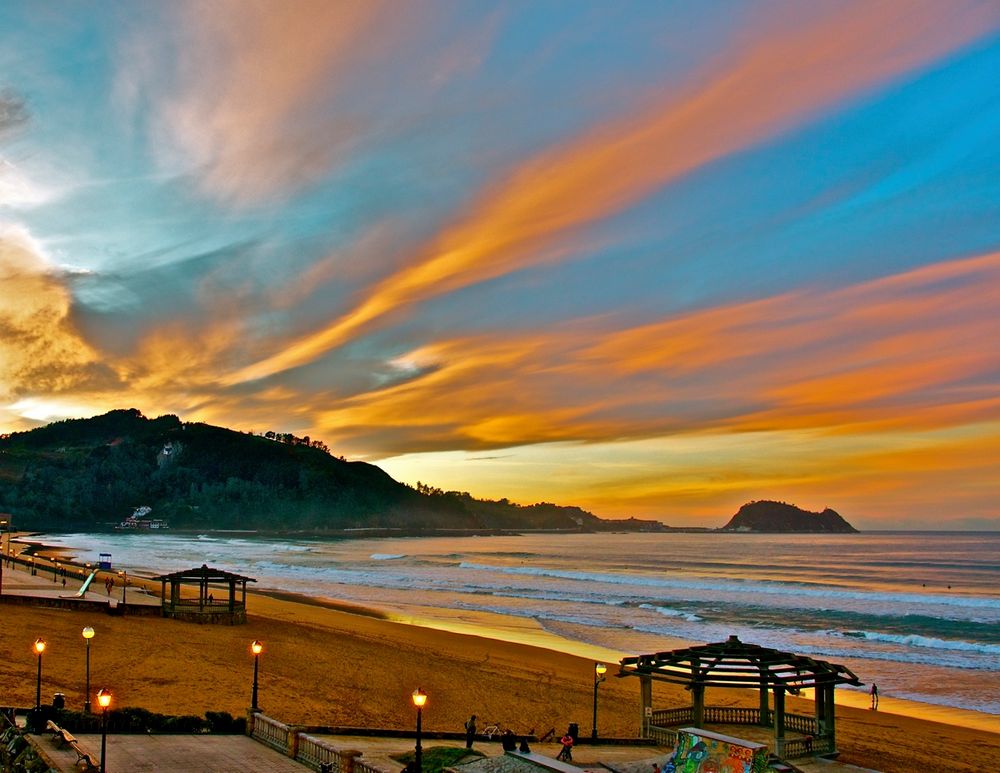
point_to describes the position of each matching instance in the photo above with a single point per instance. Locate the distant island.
(779, 517)
(91, 474)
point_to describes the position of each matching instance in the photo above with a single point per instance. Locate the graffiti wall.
(701, 751)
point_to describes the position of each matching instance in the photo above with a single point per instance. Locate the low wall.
(315, 753)
(52, 602)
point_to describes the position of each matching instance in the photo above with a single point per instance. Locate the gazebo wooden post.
(831, 711)
(819, 700)
(697, 695)
(163, 593)
(779, 720)
(698, 704)
(765, 718)
(645, 704)
(232, 595)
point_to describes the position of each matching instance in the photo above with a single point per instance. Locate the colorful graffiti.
(700, 751)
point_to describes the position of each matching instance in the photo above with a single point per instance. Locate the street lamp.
(599, 671)
(39, 648)
(88, 634)
(124, 575)
(256, 647)
(419, 699)
(104, 700)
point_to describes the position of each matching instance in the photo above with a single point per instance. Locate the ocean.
(918, 613)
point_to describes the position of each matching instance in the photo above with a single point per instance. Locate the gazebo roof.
(203, 573)
(734, 664)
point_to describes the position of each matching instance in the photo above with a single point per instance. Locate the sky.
(655, 259)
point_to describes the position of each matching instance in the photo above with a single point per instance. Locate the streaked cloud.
(903, 352)
(754, 95)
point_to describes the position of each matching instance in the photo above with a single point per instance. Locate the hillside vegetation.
(92, 473)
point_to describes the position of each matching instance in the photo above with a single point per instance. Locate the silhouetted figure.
(874, 697)
(523, 748)
(470, 731)
(508, 741)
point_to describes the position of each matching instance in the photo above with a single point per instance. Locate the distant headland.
(779, 517)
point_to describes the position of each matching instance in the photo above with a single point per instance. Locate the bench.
(65, 738)
(59, 735)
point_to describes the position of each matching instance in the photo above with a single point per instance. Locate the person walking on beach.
(470, 731)
(874, 697)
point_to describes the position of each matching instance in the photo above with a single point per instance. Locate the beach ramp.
(83, 588)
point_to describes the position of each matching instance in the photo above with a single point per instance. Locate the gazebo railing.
(672, 717)
(735, 715)
(793, 748)
(732, 715)
(801, 724)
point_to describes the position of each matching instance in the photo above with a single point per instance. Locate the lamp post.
(104, 699)
(39, 648)
(88, 634)
(124, 575)
(599, 671)
(256, 647)
(419, 699)
(3, 528)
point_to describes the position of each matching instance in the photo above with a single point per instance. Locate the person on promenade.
(566, 753)
(523, 748)
(508, 741)
(874, 697)
(470, 731)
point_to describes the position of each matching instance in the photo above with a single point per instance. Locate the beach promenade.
(327, 666)
(137, 753)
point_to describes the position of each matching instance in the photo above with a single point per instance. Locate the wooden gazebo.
(734, 664)
(227, 609)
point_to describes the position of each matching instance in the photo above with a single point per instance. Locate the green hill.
(92, 473)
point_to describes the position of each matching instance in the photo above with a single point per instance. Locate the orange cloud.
(775, 82)
(41, 351)
(901, 353)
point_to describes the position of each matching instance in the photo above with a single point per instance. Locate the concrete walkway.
(18, 581)
(188, 753)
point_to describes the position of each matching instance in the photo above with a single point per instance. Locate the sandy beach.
(336, 665)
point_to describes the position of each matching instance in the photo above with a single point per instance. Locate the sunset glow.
(653, 261)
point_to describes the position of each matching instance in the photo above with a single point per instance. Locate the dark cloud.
(13, 110)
